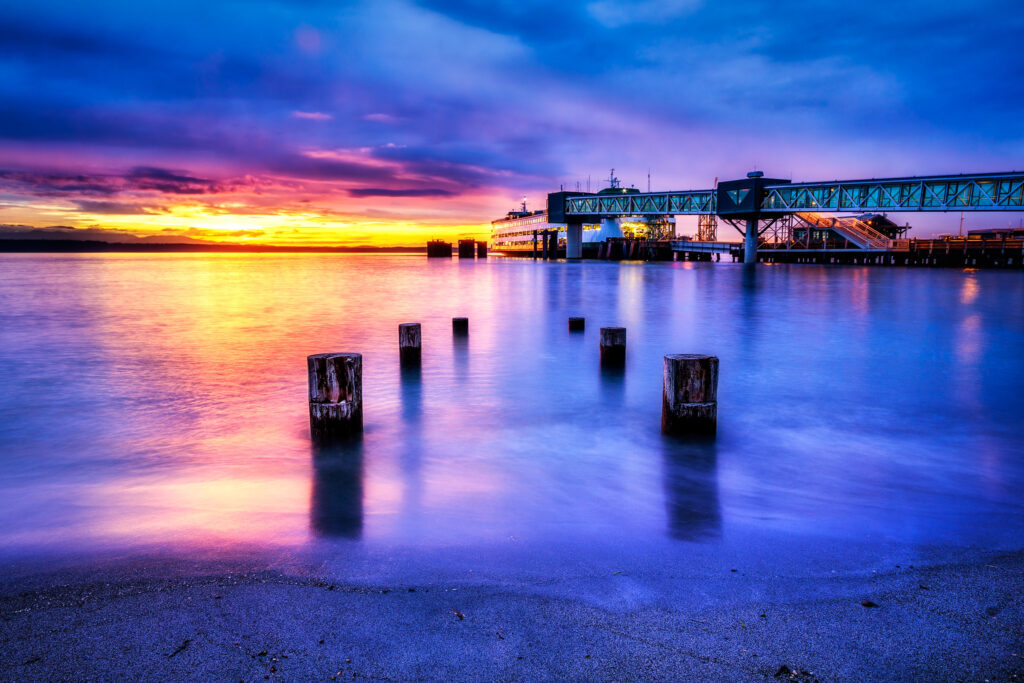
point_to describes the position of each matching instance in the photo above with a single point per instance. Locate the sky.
(391, 121)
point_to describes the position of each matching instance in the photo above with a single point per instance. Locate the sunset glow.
(392, 122)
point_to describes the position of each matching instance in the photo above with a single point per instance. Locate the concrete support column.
(534, 244)
(574, 240)
(750, 242)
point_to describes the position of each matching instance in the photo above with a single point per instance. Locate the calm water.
(160, 401)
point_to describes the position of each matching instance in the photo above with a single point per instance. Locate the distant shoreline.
(29, 246)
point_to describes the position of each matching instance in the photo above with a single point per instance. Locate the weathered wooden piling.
(689, 405)
(460, 327)
(613, 346)
(467, 249)
(335, 396)
(577, 324)
(481, 249)
(409, 344)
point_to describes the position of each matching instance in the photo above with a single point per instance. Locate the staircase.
(852, 228)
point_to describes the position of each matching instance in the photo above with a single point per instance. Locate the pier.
(784, 222)
(972, 251)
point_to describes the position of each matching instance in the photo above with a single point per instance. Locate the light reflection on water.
(161, 400)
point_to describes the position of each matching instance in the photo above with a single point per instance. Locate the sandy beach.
(171, 619)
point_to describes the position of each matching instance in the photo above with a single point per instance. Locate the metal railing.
(857, 231)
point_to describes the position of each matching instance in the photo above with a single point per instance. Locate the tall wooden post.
(689, 404)
(409, 344)
(613, 346)
(460, 327)
(335, 396)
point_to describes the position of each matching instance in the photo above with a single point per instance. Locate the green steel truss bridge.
(755, 197)
(989, 192)
(997, 192)
(690, 202)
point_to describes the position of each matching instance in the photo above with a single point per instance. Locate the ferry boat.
(521, 230)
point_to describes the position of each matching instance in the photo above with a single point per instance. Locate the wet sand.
(176, 620)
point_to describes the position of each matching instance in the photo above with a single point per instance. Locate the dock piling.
(689, 405)
(335, 396)
(577, 324)
(439, 249)
(460, 327)
(613, 346)
(409, 350)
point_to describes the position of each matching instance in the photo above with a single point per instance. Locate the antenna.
(524, 203)
(588, 182)
(648, 181)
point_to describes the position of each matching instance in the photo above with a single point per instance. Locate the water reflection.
(336, 497)
(412, 394)
(522, 435)
(969, 289)
(613, 385)
(410, 436)
(690, 476)
(460, 351)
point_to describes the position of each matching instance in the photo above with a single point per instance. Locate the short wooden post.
(577, 324)
(409, 344)
(335, 396)
(689, 404)
(613, 346)
(460, 327)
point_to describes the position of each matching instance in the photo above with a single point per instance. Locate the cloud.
(63, 232)
(55, 184)
(139, 179)
(461, 106)
(312, 115)
(167, 181)
(385, 192)
(110, 208)
(615, 14)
